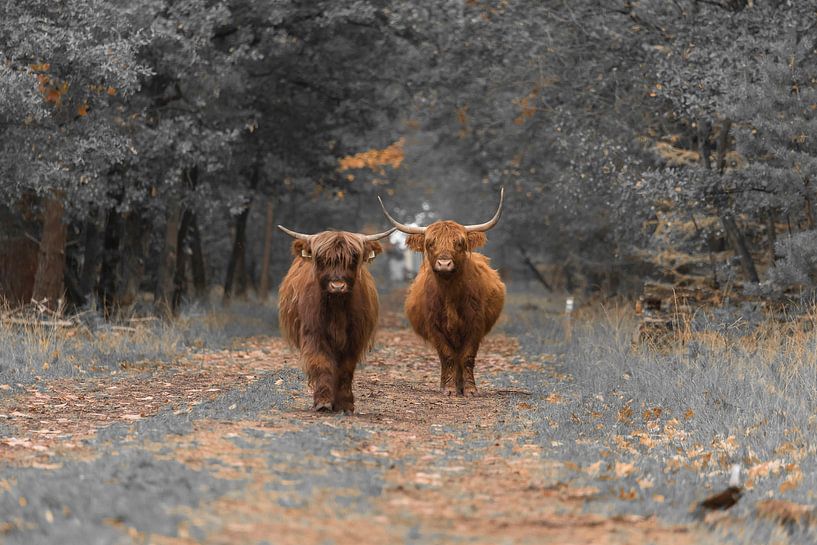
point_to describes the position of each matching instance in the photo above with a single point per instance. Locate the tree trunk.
(180, 277)
(197, 261)
(704, 146)
(730, 226)
(132, 268)
(163, 292)
(539, 276)
(738, 242)
(771, 234)
(808, 205)
(236, 268)
(48, 280)
(109, 273)
(74, 296)
(263, 288)
(90, 261)
(723, 144)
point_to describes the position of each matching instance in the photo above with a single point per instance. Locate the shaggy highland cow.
(456, 298)
(328, 310)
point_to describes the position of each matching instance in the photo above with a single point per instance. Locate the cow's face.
(446, 245)
(337, 257)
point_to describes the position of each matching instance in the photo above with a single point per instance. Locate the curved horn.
(409, 229)
(378, 236)
(491, 222)
(294, 234)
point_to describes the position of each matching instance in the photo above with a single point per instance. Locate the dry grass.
(38, 347)
(656, 428)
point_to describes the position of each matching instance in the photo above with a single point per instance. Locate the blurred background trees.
(149, 147)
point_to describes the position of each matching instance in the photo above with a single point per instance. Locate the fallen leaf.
(792, 481)
(645, 483)
(765, 469)
(652, 414)
(623, 469)
(593, 469)
(785, 512)
(628, 495)
(554, 399)
(580, 493)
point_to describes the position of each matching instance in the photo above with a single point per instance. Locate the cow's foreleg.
(448, 379)
(466, 369)
(469, 386)
(321, 372)
(344, 399)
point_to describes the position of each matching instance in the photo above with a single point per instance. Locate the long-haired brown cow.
(328, 310)
(456, 298)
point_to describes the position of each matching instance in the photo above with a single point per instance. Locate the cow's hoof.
(469, 391)
(323, 406)
(449, 391)
(347, 408)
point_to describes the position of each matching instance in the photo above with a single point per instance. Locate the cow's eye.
(461, 244)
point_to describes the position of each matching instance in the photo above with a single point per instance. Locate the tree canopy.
(159, 136)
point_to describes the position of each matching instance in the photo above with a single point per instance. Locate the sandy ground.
(223, 448)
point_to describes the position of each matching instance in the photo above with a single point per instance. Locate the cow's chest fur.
(336, 325)
(456, 318)
(338, 329)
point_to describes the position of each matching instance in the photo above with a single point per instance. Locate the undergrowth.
(40, 347)
(656, 426)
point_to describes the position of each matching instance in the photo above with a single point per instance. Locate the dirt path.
(221, 448)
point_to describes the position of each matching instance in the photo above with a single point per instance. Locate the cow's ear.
(372, 249)
(416, 242)
(476, 239)
(300, 248)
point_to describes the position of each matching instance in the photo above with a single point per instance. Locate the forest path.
(222, 448)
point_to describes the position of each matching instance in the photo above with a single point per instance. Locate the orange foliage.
(375, 159)
(527, 105)
(51, 88)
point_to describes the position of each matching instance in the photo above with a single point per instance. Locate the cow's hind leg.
(459, 378)
(322, 376)
(344, 399)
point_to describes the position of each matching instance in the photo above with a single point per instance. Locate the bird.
(723, 500)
